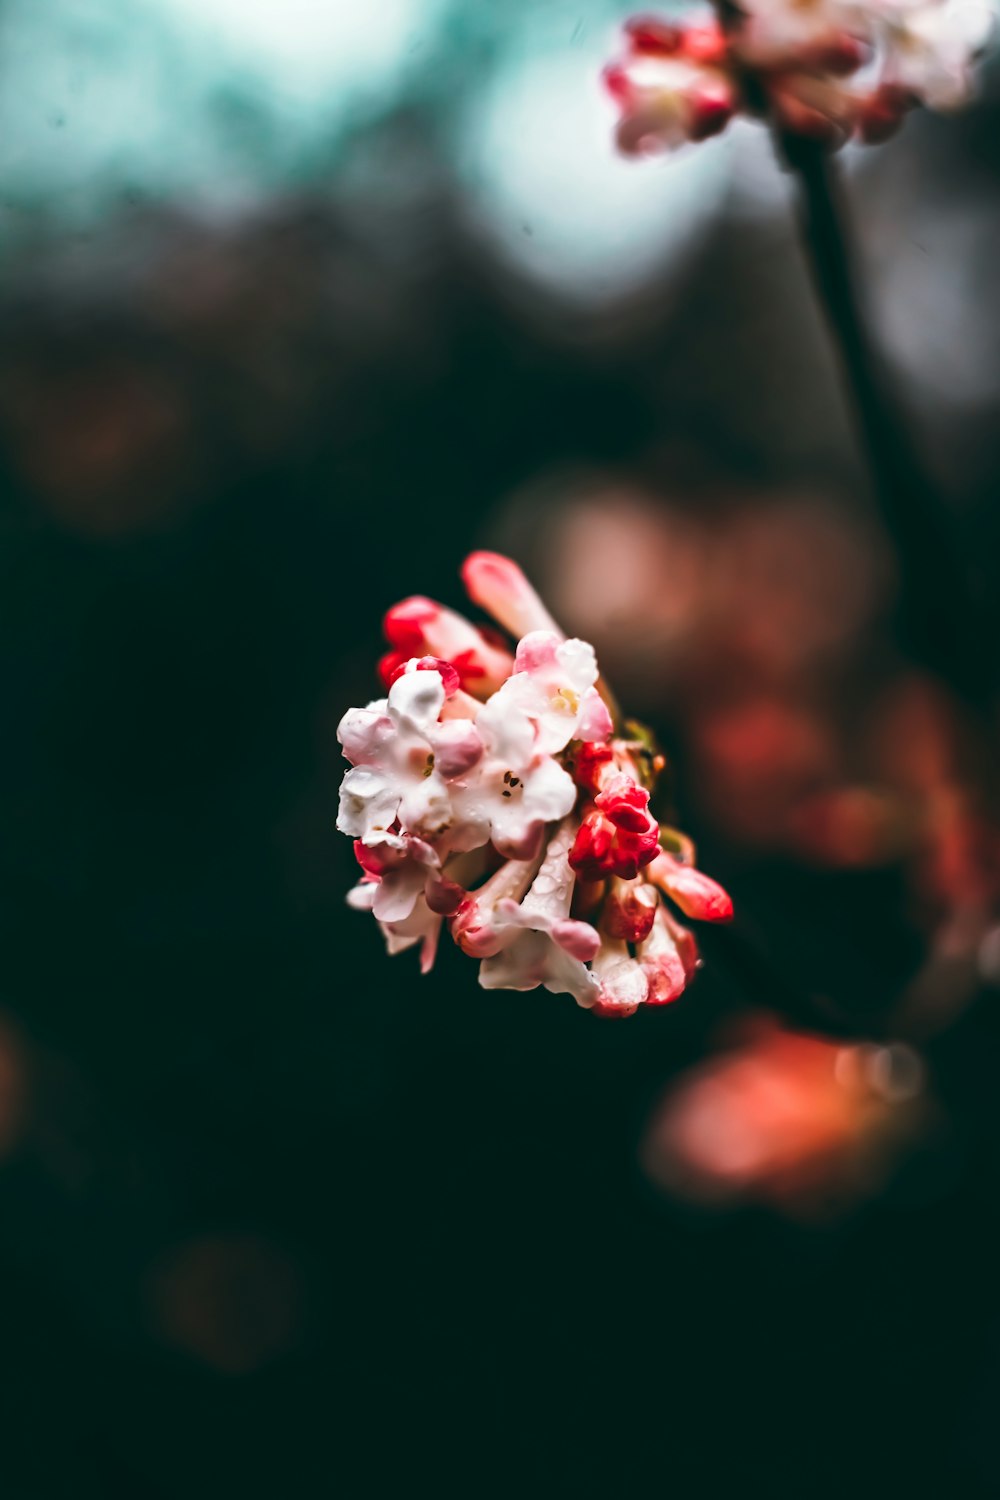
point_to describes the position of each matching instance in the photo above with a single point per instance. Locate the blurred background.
(300, 300)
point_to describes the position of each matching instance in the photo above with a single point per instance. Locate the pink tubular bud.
(630, 909)
(428, 948)
(473, 930)
(473, 926)
(696, 894)
(421, 627)
(578, 939)
(405, 624)
(685, 943)
(666, 977)
(669, 958)
(624, 986)
(499, 587)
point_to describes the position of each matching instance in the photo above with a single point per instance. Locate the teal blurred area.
(217, 108)
(219, 101)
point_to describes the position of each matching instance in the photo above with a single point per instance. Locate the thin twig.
(941, 624)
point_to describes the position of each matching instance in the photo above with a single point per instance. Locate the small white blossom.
(404, 760)
(548, 700)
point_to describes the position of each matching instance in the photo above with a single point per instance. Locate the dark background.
(277, 1216)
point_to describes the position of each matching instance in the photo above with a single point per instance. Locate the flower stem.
(940, 622)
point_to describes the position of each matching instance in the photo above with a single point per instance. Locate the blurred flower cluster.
(828, 70)
(799, 1122)
(495, 789)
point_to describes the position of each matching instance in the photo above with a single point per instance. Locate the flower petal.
(369, 802)
(497, 585)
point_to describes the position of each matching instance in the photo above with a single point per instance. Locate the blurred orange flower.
(804, 1124)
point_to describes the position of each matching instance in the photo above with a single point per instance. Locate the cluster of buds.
(492, 789)
(828, 70)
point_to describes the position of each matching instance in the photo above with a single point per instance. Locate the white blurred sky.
(540, 165)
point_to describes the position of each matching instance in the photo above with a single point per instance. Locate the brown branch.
(941, 624)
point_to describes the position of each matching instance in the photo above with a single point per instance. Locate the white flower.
(421, 926)
(552, 690)
(931, 47)
(369, 802)
(549, 700)
(404, 760)
(406, 868)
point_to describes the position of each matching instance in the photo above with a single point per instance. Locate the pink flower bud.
(499, 587)
(629, 909)
(695, 894)
(420, 627)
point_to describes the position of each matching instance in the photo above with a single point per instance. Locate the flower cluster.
(493, 790)
(824, 69)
